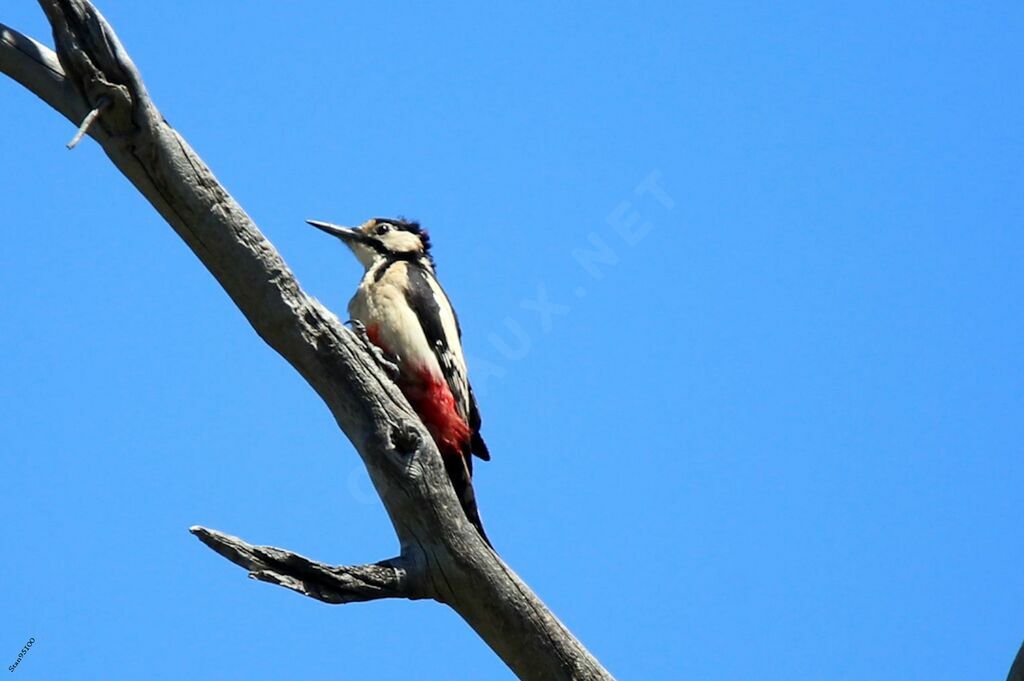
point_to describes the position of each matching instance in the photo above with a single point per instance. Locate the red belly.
(434, 402)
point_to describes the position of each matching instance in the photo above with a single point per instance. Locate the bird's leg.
(389, 367)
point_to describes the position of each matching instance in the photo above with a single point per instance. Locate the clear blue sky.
(777, 436)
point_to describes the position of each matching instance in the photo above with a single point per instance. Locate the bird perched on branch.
(401, 309)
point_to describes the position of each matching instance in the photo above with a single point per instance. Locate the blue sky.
(776, 434)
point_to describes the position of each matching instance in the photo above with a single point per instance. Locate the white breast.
(382, 304)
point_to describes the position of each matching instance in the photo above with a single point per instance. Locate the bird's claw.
(389, 367)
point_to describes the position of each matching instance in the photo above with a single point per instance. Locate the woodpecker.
(401, 309)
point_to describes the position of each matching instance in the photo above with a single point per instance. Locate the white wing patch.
(452, 360)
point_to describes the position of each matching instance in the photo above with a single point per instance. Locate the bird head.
(382, 238)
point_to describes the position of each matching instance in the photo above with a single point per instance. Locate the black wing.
(477, 444)
(421, 297)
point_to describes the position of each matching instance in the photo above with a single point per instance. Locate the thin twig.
(101, 104)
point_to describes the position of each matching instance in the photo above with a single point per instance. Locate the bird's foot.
(389, 367)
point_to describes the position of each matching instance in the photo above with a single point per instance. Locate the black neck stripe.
(391, 258)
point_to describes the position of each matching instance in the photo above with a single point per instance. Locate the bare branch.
(331, 584)
(37, 69)
(442, 556)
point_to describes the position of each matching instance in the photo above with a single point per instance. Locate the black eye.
(382, 229)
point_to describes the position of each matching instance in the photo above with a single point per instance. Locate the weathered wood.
(442, 556)
(327, 583)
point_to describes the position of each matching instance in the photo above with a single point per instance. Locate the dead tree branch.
(327, 583)
(442, 556)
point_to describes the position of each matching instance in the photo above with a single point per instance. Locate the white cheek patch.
(401, 241)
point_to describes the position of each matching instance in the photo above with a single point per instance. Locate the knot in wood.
(406, 438)
(115, 103)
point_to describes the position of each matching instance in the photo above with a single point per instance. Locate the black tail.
(460, 473)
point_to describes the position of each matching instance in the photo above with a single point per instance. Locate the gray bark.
(441, 557)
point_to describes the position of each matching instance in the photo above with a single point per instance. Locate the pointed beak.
(346, 234)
